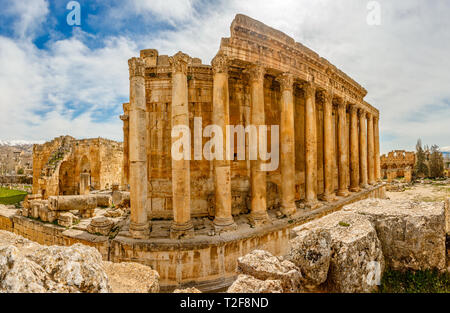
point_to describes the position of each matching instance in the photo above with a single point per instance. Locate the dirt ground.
(432, 192)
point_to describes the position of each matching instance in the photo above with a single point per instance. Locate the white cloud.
(403, 63)
(31, 14)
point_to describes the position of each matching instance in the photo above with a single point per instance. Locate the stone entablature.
(329, 134)
(67, 166)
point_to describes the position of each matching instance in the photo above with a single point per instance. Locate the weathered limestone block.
(131, 278)
(47, 215)
(447, 216)
(356, 255)
(264, 266)
(104, 200)
(100, 225)
(69, 203)
(121, 198)
(35, 206)
(30, 268)
(249, 284)
(412, 233)
(65, 219)
(311, 253)
(187, 290)
(114, 213)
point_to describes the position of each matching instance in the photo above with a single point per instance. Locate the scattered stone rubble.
(347, 251)
(27, 267)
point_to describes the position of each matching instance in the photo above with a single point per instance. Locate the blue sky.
(58, 79)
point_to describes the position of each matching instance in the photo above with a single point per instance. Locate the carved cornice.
(179, 63)
(286, 81)
(256, 73)
(220, 63)
(136, 67)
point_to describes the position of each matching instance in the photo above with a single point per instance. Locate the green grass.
(8, 196)
(429, 281)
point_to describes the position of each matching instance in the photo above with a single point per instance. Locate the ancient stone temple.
(66, 166)
(397, 164)
(328, 141)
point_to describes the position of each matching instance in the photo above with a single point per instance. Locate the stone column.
(139, 225)
(377, 149)
(181, 183)
(310, 146)
(362, 149)
(126, 147)
(370, 150)
(221, 117)
(328, 146)
(85, 183)
(342, 149)
(354, 150)
(258, 177)
(288, 206)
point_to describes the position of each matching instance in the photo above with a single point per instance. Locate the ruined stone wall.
(57, 165)
(397, 163)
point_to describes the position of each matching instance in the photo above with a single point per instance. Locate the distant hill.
(14, 143)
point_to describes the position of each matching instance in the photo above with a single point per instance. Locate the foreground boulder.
(132, 278)
(187, 290)
(262, 265)
(412, 233)
(356, 256)
(249, 284)
(311, 253)
(27, 267)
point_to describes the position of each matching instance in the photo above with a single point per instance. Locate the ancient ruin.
(329, 143)
(66, 166)
(398, 164)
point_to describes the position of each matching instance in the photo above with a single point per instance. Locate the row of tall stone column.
(363, 168)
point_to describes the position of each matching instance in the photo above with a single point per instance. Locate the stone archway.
(66, 179)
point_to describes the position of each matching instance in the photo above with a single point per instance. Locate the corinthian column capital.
(326, 96)
(309, 88)
(179, 63)
(353, 108)
(286, 81)
(341, 103)
(256, 73)
(136, 67)
(220, 63)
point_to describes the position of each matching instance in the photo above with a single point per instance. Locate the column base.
(258, 219)
(224, 224)
(312, 204)
(139, 231)
(372, 183)
(328, 197)
(364, 186)
(178, 231)
(355, 189)
(342, 193)
(288, 210)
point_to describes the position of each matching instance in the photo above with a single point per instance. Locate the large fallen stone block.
(356, 260)
(249, 284)
(311, 253)
(69, 203)
(264, 266)
(447, 216)
(30, 268)
(412, 233)
(130, 277)
(104, 200)
(187, 290)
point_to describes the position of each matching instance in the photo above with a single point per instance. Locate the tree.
(20, 171)
(436, 162)
(421, 168)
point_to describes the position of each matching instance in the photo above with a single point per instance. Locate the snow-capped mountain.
(19, 142)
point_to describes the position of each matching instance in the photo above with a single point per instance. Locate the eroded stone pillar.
(377, 149)
(370, 150)
(342, 149)
(126, 148)
(181, 183)
(221, 117)
(288, 206)
(362, 149)
(258, 177)
(139, 225)
(354, 150)
(328, 146)
(310, 146)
